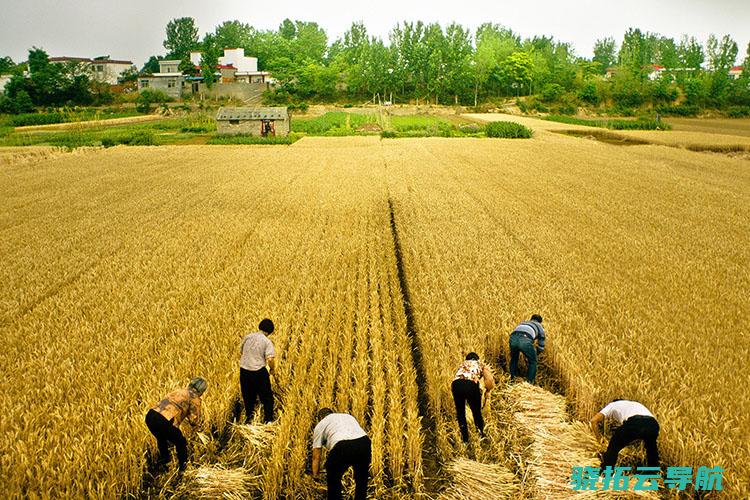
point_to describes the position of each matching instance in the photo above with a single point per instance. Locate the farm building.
(260, 122)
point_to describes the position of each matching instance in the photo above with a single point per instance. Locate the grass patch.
(252, 139)
(66, 116)
(613, 124)
(508, 130)
(335, 123)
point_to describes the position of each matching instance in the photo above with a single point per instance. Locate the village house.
(102, 69)
(258, 121)
(236, 67)
(736, 72)
(169, 79)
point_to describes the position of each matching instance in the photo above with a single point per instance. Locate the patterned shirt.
(178, 405)
(470, 369)
(255, 349)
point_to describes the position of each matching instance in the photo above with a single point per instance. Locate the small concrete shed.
(261, 122)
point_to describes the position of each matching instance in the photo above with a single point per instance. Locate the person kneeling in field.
(256, 350)
(636, 423)
(164, 419)
(522, 341)
(348, 446)
(465, 389)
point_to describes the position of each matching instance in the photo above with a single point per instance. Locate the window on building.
(171, 84)
(144, 83)
(99, 68)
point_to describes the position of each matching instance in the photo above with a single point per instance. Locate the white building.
(102, 69)
(736, 72)
(169, 79)
(235, 66)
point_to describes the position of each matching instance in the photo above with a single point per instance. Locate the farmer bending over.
(636, 423)
(348, 446)
(465, 389)
(164, 419)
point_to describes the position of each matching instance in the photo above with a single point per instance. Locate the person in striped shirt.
(522, 341)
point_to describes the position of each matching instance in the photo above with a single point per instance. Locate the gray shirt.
(334, 428)
(255, 349)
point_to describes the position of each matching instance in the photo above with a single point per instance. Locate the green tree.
(690, 53)
(232, 35)
(517, 70)
(209, 59)
(7, 65)
(721, 53)
(152, 65)
(181, 38)
(605, 53)
(666, 53)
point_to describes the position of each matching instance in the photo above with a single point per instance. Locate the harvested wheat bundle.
(558, 444)
(216, 481)
(249, 446)
(472, 479)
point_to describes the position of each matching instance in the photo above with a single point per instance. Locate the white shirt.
(334, 428)
(255, 349)
(620, 411)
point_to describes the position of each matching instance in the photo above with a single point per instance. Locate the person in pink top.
(465, 389)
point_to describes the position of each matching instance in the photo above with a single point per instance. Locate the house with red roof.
(736, 72)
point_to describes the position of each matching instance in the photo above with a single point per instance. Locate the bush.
(36, 119)
(147, 98)
(471, 128)
(348, 105)
(589, 94)
(551, 92)
(21, 103)
(388, 134)
(300, 106)
(508, 130)
(682, 110)
(252, 139)
(138, 138)
(738, 111)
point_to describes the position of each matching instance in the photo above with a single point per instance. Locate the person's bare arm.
(489, 379)
(271, 365)
(596, 421)
(316, 462)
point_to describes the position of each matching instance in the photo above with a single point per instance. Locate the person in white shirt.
(636, 423)
(348, 446)
(256, 350)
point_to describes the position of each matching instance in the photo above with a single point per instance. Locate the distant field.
(125, 271)
(733, 126)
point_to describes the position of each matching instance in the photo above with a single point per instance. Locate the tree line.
(427, 62)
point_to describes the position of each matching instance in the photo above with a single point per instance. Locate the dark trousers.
(254, 384)
(355, 453)
(520, 343)
(634, 428)
(466, 391)
(166, 433)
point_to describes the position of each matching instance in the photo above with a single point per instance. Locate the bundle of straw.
(472, 479)
(216, 481)
(558, 444)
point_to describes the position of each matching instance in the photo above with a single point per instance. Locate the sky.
(134, 29)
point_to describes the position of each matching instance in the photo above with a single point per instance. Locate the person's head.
(198, 385)
(472, 356)
(536, 317)
(323, 413)
(266, 326)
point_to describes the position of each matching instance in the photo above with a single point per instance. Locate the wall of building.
(241, 91)
(109, 72)
(162, 84)
(250, 127)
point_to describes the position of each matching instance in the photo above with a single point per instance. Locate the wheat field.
(126, 271)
